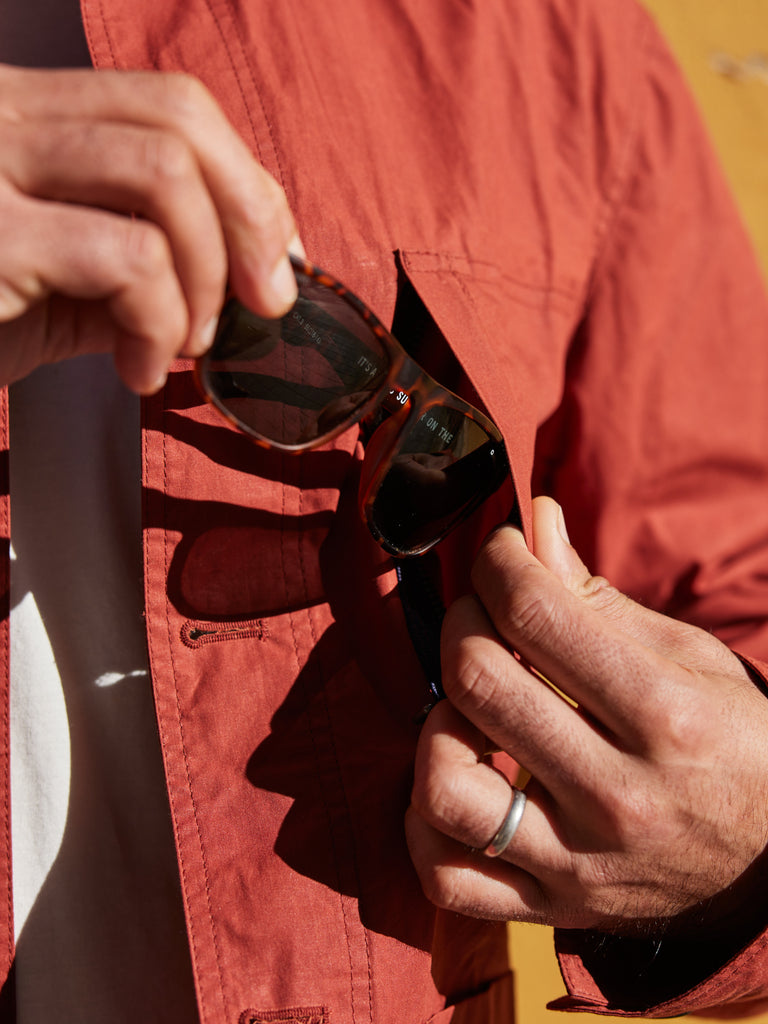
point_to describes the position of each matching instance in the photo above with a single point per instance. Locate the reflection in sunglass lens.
(446, 465)
(295, 380)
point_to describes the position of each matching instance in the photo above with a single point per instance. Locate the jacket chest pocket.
(499, 343)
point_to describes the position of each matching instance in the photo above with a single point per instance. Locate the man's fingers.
(551, 546)
(455, 789)
(668, 637)
(134, 170)
(459, 792)
(470, 883)
(623, 823)
(105, 259)
(619, 662)
(521, 713)
(562, 637)
(130, 191)
(252, 209)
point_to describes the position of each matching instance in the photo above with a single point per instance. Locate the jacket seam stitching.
(187, 772)
(243, 94)
(348, 816)
(570, 290)
(107, 34)
(6, 725)
(352, 847)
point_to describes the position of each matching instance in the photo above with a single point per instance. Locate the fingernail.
(200, 342)
(283, 282)
(561, 527)
(296, 246)
(158, 383)
(208, 333)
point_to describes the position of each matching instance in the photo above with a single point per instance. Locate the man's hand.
(648, 789)
(126, 203)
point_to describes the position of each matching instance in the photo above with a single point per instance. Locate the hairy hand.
(126, 202)
(647, 799)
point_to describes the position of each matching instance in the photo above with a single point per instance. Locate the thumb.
(553, 548)
(685, 644)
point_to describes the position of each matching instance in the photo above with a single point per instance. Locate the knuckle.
(184, 97)
(436, 795)
(679, 725)
(14, 298)
(11, 211)
(601, 595)
(439, 883)
(20, 285)
(13, 82)
(166, 158)
(673, 722)
(145, 251)
(476, 677)
(270, 215)
(634, 814)
(529, 610)
(516, 592)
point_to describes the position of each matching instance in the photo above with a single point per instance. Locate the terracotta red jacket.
(524, 188)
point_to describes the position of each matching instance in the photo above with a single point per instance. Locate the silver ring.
(509, 825)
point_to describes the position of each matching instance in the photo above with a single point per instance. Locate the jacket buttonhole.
(196, 634)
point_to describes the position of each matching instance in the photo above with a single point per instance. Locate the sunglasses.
(295, 383)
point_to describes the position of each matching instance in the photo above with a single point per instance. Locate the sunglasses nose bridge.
(381, 446)
(408, 391)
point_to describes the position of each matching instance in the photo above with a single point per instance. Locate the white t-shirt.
(98, 917)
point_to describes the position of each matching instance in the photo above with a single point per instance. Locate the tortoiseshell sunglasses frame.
(413, 392)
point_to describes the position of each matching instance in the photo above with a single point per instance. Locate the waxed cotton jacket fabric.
(525, 190)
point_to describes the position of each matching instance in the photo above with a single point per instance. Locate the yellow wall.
(723, 47)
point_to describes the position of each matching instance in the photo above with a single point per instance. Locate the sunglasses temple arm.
(424, 613)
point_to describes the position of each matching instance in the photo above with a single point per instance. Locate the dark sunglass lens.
(444, 468)
(295, 380)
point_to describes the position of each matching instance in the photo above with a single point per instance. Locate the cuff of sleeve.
(628, 977)
(625, 978)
